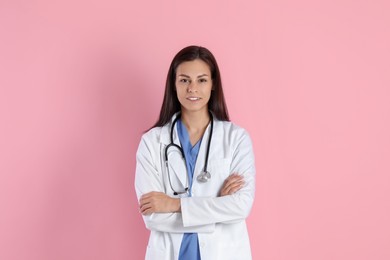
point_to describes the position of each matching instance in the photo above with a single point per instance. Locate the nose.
(192, 88)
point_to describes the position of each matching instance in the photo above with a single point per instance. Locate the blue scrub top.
(189, 249)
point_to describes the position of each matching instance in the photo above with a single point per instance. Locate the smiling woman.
(193, 85)
(195, 196)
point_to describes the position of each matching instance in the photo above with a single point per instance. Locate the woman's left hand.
(232, 184)
(158, 202)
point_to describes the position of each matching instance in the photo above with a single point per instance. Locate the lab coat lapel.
(177, 166)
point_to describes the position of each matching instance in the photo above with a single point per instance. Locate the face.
(193, 85)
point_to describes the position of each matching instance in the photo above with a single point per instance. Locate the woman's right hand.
(232, 184)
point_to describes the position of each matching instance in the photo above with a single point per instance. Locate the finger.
(144, 200)
(148, 195)
(234, 187)
(231, 179)
(148, 206)
(235, 177)
(145, 208)
(232, 191)
(228, 183)
(141, 201)
(147, 211)
(233, 182)
(226, 190)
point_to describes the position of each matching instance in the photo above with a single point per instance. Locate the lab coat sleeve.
(147, 179)
(230, 208)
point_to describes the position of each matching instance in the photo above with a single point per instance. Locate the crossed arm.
(195, 214)
(159, 202)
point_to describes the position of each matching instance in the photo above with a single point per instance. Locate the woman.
(195, 173)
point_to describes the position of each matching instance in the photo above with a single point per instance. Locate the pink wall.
(81, 80)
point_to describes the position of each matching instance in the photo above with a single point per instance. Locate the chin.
(194, 109)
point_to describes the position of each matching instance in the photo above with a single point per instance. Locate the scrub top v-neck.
(189, 249)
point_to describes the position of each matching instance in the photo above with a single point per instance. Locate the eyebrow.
(186, 76)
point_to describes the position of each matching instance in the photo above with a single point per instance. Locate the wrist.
(176, 205)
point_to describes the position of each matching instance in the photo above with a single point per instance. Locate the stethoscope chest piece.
(204, 177)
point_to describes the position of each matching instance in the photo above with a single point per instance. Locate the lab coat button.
(201, 244)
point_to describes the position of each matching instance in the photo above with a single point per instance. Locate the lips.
(193, 98)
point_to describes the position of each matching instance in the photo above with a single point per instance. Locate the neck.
(195, 121)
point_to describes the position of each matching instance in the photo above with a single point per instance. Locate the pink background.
(81, 80)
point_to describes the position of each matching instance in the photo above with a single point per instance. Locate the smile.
(193, 98)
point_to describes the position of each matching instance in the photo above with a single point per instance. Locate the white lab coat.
(219, 221)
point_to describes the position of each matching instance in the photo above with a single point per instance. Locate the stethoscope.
(204, 176)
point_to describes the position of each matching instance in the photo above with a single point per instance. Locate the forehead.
(193, 68)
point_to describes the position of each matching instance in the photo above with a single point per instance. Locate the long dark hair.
(171, 104)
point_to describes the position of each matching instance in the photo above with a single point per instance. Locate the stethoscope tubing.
(205, 175)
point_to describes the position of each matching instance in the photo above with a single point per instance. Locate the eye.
(183, 80)
(202, 80)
